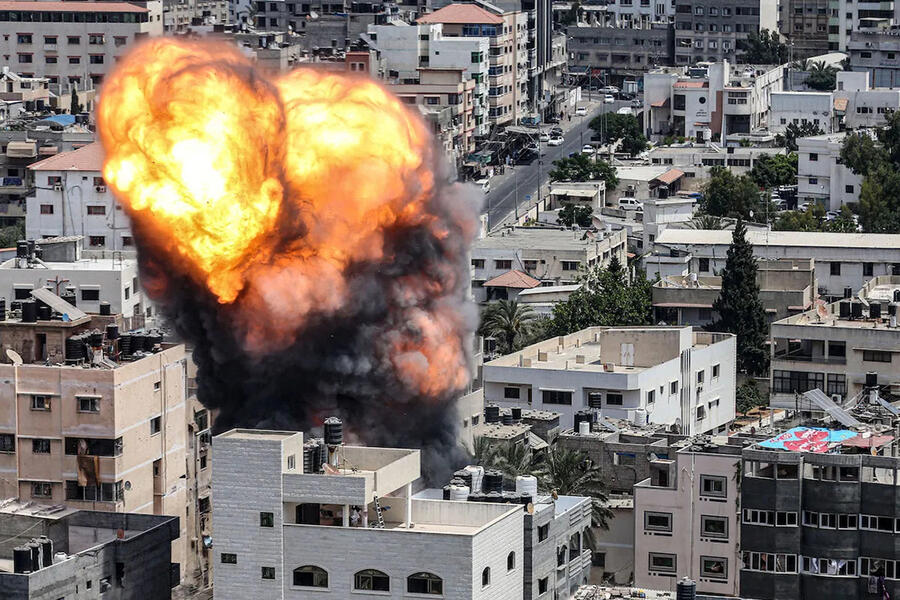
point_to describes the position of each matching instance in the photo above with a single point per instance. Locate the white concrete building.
(801, 108)
(550, 255)
(849, 19)
(858, 104)
(660, 214)
(283, 532)
(696, 159)
(671, 375)
(71, 198)
(821, 175)
(70, 42)
(843, 260)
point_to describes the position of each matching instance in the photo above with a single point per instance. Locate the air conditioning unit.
(699, 387)
(836, 398)
(101, 189)
(57, 188)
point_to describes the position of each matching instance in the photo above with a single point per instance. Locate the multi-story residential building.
(685, 518)
(786, 287)
(646, 182)
(835, 346)
(402, 50)
(805, 25)
(88, 420)
(446, 100)
(547, 255)
(817, 516)
(20, 94)
(878, 54)
(859, 105)
(660, 214)
(670, 375)
(76, 41)
(80, 554)
(71, 198)
(623, 52)
(712, 31)
(842, 259)
(847, 17)
(822, 176)
(709, 102)
(180, 15)
(630, 14)
(508, 67)
(801, 108)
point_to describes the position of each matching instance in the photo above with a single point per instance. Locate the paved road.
(520, 183)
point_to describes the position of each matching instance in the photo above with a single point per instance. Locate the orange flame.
(217, 163)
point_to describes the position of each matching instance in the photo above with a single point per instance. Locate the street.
(520, 182)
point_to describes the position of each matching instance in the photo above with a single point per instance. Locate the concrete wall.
(616, 544)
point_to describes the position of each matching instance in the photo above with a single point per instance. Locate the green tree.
(862, 153)
(613, 127)
(770, 171)
(509, 322)
(513, 459)
(748, 397)
(763, 48)
(12, 234)
(570, 214)
(810, 219)
(821, 77)
(74, 106)
(739, 307)
(570, 17)
(793, 132)
(572, 473)
(879, 200)
(702, 221)
(729, 195)
(606, 297)
(582, 168)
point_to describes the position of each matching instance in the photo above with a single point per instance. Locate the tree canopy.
(788, 139)
(821, 77)
(510, 323)
(730, 195)
(813, 219)
(570, 215)
(612, 127)
(878, 161)
(582, 168)
(772, 170)
(763, 48)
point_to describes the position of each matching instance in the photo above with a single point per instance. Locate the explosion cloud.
(297, 233)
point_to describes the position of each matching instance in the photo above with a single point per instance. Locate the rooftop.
(86, 158)
(540, 238)
(513, 279)
(815, 239)
(257, 434)
(463, 14)
(41, 6)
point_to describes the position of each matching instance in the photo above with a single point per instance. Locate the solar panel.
(818, 397)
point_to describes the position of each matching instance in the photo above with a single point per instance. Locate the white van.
(629, 203)
(485, 185)
(581, 111)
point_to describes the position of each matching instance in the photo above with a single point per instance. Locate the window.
(662, 562)
(268, 572)
(155, 425)
(229, 559)
(570, 265)
(510, 561)
(90, 294)
(753, 516)
(93, 446)
(876, 356)
(543, 532)
(88, 404)
(266, 519)
(478, 263)
(700, 376)
(97, 240)
(556, 397)
(127, 240)
(40, 446)
(543, 585)
(835, 268)
(673, 388)
(813, 156)
(7, 442)
(848, 521)
(74, 60)
(41, 489)
(711, 566)
(651, 396)
(310, 576)
(46, 209)
(119, 41)
(874, 523)
(96, 209)
(96, 39)
(848, 189)
(372, 579)
(40, 403)
(715, 371)
(511, 393)
(827, 521)
(291, 462)
(104, 492)
(22, 293)
(813, 180)
(424, 583)
(23, 38)
(503, 264)
(26, 58)
(486, 577)
(96, 59)
(703, 265)
(712, 485)
(701, 413)
(613, 399)
(657, 521)
(157, 385)
(73, 40)
(712, 526)
(785, 518)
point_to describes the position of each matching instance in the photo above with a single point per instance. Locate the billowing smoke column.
(296, 232)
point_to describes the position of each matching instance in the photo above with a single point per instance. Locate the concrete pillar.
(408, 505)
(365, 517)
(346, 515)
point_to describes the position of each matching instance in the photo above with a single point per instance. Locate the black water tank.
(457, 481)
(844, 309)
(105, 309)
(511, 497)
(892, 309)
(39, 253)
(875, 310)
(848, 292)
(493, 497)
(465, 477)
(856, 310)
(595, 399)
(43, 312)
(30, 247)
(96, 338)
(525, 498)
(491, 413)
(22, 559)
(516, 413)
(21, 249)
(308, 452)
(686, 590)
(156, 338)
(446, 492)
(334, 431)
(321, 456)
(35, 549)
(2, 309)
(492, 481)
(70, 296)
(46, 550)
(507, 419)
(137, 341)
(15, 305)
(125, 344)
(871, 379)
(74, 348)
(29, 311)
(473, 497)
(584, 416)
(112, 331)
(896, 295)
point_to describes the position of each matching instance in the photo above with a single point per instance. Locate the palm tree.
(572, 473)
(483, 452)
(513, 459)
(801, 65)
(509, 322)
(706, 222)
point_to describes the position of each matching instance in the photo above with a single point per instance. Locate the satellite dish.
(529, 508)
(127, 485)
(14, 356)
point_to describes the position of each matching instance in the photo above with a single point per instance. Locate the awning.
(21, 149)
(660, 104)
(48, 150)
(840, 104)
(671, 176)
(873, 441)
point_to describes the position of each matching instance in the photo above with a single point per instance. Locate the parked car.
(831, 215)
(556, 140)
(588, 149)
(610, 89)
(485, 185)
(779, 204)
(608, 99)
(636, 103)
(629, 204)
(544, 136)
(625, 110)
(551, 120)
(556, 131)
(580, 111)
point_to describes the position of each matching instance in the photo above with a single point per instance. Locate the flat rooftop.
(540, 238)
(84, 264)
(257, 434)
(814, 239)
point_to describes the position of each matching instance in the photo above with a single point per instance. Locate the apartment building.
(835, 346)
(709, 102)
(786, 287)
(180, 15)
(822, 176)
(283, 529)
(857, 104)
(805, 24)
(670, 375)
(801, 108)
(817, 521)
(540, 256)
(79, 554)
(712, 31)
(630, 14)
(695, 159)
(74, 41)
(623, 51)
(848, 17)
(659, 214)
(685, 521)
(878, 54)
(20, 94)
(71, 198)
(842, 260)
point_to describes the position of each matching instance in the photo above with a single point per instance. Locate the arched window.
(486, 577)
(310, 576)
(372, 579)
(561, 555)
(574, 546)
(510, 561)
(424, 583)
